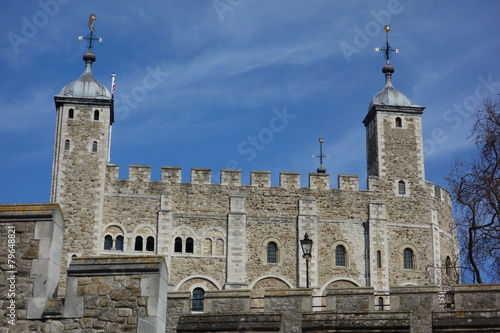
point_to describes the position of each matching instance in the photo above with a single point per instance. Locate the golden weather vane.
(90, 37)
(387, 49)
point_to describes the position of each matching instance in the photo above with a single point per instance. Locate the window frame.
(198, 299)
(272, 252)
(340, 257)
(408, 259)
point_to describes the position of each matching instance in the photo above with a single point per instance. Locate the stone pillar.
(421, 301)
(378, 241)
(236, 243)
(117, 293)
(165, 227)
(35, 234)
(291, 303)
(436, 248)
(307, 221)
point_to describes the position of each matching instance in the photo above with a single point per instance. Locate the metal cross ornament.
(90, 37)
(321, 156)
(387, 49)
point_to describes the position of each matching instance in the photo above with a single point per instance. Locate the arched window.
(381, 303)
(340, 256)
(108, 242)
(207, 246)
(71, 113)
(94, 147)
(399, 122)
(198, 299)
(138, 243)
(408, 258)
(189, 245)
(119, 243)
(401, 187)
(272, 252)
(66, 145)
(178, 245)
(150, 243)
(448, 265)
(379, 259)
(96, 115)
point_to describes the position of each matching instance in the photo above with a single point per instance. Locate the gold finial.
(90, 37)
(92, 19)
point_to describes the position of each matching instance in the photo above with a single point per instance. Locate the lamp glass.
(306, 245)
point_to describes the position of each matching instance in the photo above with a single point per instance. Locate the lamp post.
(306, 245)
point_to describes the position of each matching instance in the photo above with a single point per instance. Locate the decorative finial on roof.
(91, 38)
(388, 69)
(387, 49)
(389, 95)
(321, 156)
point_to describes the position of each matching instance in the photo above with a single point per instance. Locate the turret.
(84, 111)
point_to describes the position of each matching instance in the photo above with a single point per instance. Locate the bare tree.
(475, 187)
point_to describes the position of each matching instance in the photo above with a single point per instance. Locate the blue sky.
(247, 84)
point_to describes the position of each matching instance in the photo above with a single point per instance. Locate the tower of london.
(228, 254)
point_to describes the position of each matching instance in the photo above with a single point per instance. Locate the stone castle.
(112, 255)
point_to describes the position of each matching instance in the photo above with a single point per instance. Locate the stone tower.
(84, 117)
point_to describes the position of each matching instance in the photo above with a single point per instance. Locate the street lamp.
(306, 245)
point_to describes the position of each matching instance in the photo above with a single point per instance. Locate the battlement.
(229, 177)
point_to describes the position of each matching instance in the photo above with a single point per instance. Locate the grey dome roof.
(389, 95)
(86, 86)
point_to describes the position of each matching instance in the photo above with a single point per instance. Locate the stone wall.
(202, 211)
(103, 294)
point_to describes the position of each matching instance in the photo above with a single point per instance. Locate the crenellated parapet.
(229, 177)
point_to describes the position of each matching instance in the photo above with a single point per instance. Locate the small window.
(178, 245)
(399, 122)
(401, 187)
(150, 243)
(198, 299)
(138, 243)
(189, 245)
(408, 259)
(380, 303)
(96, 115)
(340, 256)
(379, 259)
(119, 243)
(94, 147)
(272, 252)
(108, 242)
(71, 113)
(66, 145)
(448, 265)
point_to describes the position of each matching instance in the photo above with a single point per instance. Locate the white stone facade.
(216, 236)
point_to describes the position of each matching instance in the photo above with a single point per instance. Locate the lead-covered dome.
(389, 95)
(86, 86)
